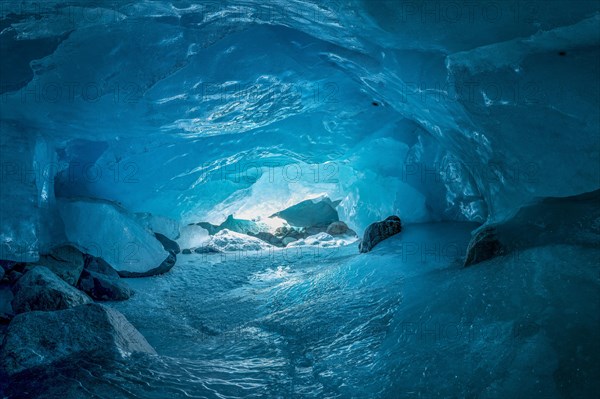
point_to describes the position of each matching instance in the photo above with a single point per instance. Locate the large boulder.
(167, 243)
(312, 212)
(41, 338)
(379, 231)
(65, 261)
(102, 282)
(6, 297)
(41, 289)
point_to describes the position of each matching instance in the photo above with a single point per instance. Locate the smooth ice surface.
(404, 320)
(160, 224)
(104, 230)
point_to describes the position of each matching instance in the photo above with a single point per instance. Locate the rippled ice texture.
(431, 110)
(403, 321)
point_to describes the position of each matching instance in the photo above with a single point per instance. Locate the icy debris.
(323, 240)
(226, 240)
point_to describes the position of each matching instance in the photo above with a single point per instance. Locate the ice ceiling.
(196, 110)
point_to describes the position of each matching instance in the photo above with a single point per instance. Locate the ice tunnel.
(185, 186)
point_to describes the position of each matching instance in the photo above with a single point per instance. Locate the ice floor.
(404, 321)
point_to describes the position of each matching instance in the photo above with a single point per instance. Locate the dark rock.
(164, 267)
(6, 310)
(207, 249)
(41, 289)
(168, 244)
(2, 273)
(186, 251)
(337, 228)
(65, 261)
(379, 231)
(313, 212)
(7, 265)
(99, 265)
(102, 282)
(282, 231)
(268, 237)
(42, 338)
(14, 276)
(312, 230)
(103, 288)
(483, 246)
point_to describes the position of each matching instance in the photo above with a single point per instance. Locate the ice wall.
(429, 110)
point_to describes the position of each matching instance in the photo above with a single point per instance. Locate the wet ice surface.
(405, 320)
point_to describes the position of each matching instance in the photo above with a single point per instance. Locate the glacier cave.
(299, 199)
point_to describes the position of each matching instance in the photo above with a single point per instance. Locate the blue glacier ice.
(121, 119)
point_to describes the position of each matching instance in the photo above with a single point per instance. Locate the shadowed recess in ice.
(243, 108)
